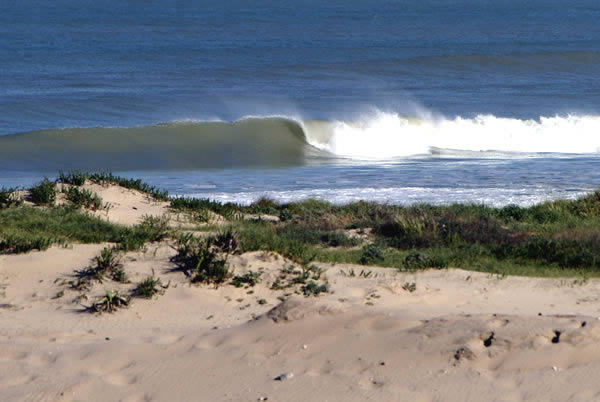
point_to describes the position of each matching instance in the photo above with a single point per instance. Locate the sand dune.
(459, 336)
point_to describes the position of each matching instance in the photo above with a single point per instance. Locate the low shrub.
(151, 229)
(10, 197)
(149, 287)
(82, 198)
(17, 244)
(202, 260)
(371, 255)
(250, 279)
(200, 205)
(564, 253)
(312, 288)
(415, 261)
(109, 303)
(264, 206)
(337, 239)
(75, 178)
(107, 263)
(43, 193)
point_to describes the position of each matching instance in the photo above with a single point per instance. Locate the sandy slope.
(368, 339)
(459, 336)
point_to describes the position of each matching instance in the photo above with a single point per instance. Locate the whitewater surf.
(285, 141)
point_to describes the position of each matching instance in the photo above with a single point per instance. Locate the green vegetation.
(249, 279)
(312, 288)
(78, 178)
(75, 178)
(553, 238)
(151, 229)
(133, 184)
(204, 260)
(200, 207)
(109, 303)
(149, 287)
(43, 193)
(82, 198)
(27, 228)
(10, 197)
(107, 263)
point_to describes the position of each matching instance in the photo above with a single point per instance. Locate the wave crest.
(281, 141)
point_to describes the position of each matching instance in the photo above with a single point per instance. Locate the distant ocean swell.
(283, 141)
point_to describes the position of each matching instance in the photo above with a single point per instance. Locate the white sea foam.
(389, 135)
(496, 197)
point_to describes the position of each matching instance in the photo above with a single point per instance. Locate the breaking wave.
(390, 136)
(283, 141)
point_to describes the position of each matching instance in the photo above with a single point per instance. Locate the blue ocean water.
(397, 101)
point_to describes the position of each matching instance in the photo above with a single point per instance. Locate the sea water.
(438, 101)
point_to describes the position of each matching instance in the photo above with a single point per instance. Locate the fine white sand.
(367, 339)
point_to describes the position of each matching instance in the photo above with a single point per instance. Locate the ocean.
(403, 102)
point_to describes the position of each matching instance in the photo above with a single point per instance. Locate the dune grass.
(549, 239)
(43, 193)
(28, 228)
(78, 178)
(82, 198)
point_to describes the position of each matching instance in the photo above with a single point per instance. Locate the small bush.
(285, 215)
(75, 178)
(200, 205)
(248, 279)
(82, 198)
(371, 254)
(17, 245)
(312, 288)
(149, 287)
(105, 264)
(264, 206)
(416, 260)
(43, 193)
(152, 229)
(414, 228)
(9, 197)
(226, 241)
(410, 286)
(202, 260)
(111, 302)
(512, 213)
(211, 271)
(119, 275)
(337, 239)
(564, 253)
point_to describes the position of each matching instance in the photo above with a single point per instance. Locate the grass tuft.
(109, 303)
(104, 178)
(43, 193)
(150, 287)
(75, 178)
(82, 198)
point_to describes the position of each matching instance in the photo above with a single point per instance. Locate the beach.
(374, 334)
(354, 200)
